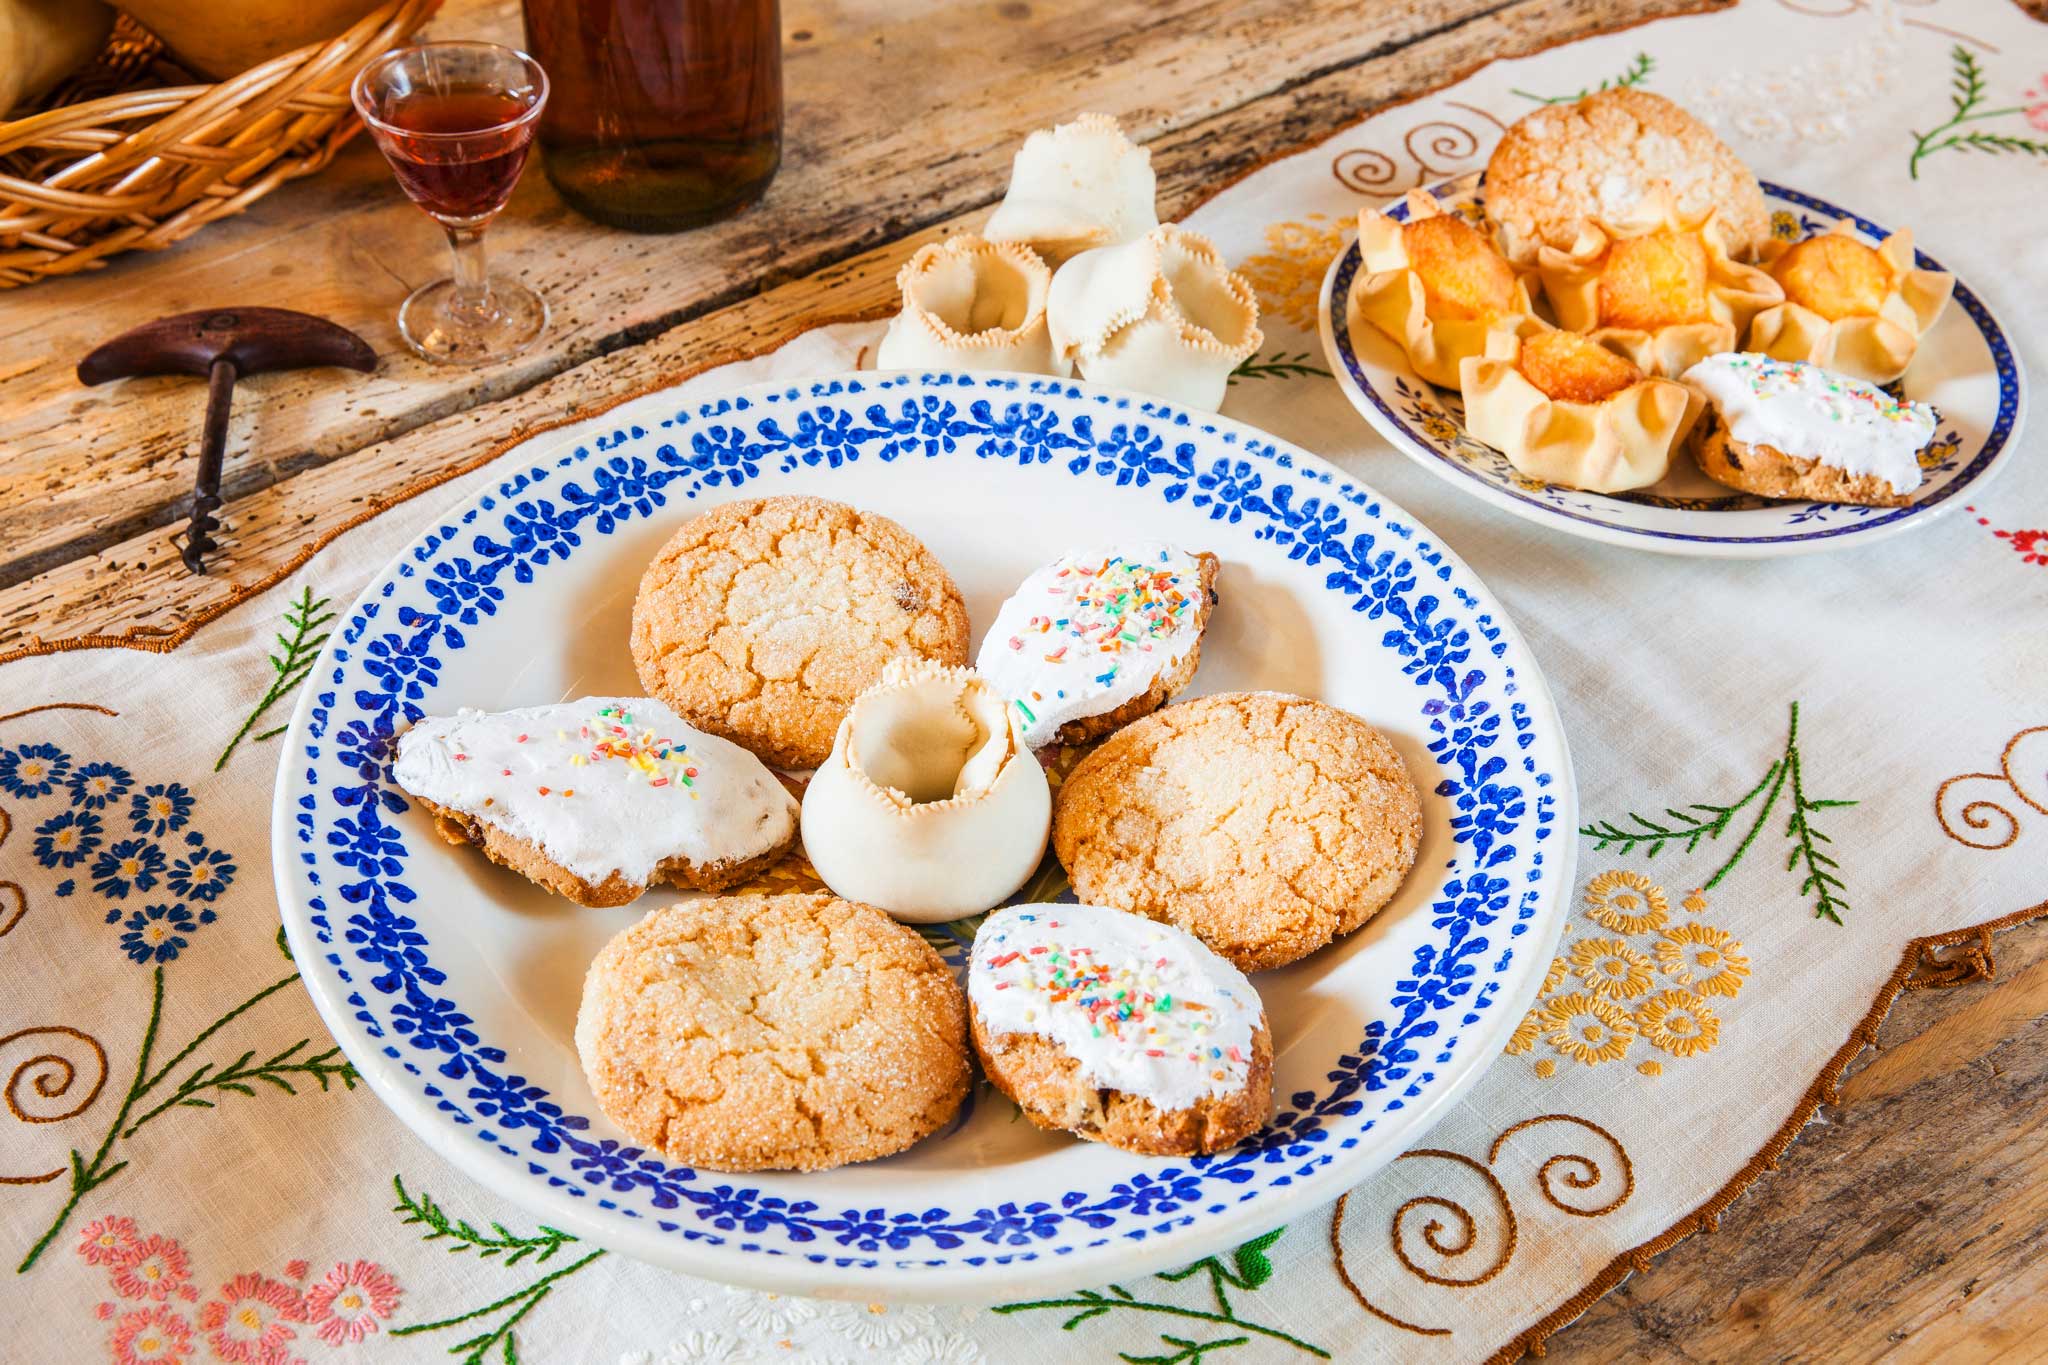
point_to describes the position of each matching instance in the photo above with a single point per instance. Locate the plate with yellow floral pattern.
(1965, 368)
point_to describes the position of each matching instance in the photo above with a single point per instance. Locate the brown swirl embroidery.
(48, 1075)
(59, 706)
(1562, 1173)
(1438, 147)
(1999, 825)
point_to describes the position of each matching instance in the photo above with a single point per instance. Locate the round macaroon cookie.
(1099, 637)
(1266, 825)
(1789, 429)
(1598, 158)
(754, 1033)
(762, 620)
(1119, 1029)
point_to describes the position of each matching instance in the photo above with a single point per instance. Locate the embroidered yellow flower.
(1288, 274)
(1626, 902)
(1587, 1029)
(1553, 978)
(1525, 1034)
(1610, 968)
(1678, 1022)
(1694, 901)
(1709, 960)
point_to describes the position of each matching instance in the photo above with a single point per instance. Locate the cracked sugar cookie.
(757, 1033)
(1119, 1029)
(1266, 825)
(762, 620)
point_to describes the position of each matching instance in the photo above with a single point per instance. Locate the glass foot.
(438, 327)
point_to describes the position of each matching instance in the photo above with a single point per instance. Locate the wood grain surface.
(1911, 1222)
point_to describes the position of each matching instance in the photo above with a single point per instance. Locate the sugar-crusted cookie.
(1119, 1029)
(745, 1033)
(1099, 637)
(762, 620)
(1598, 158)
(1788, 429)
(1263, 824)
(598, 799)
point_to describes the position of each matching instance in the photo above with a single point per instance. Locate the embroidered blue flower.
(160, 808)
(203, 873)
(157, 933)
(135, 863)
(67, 838)
(95, 786)
(32, 770)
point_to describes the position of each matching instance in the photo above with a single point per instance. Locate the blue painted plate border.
(2004, 425)
(344, 840)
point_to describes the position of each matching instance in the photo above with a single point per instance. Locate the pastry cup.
(1390, 295)
(1625, 440)
(1161, 314)
(1874, 348)
(1735, 293)
(972, 304)
(1074, 187)
(930, 805)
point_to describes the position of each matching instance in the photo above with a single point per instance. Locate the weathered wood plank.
(900, 115)
(1912, 1221)
(138, 585)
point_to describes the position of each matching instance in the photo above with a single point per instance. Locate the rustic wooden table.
(1914, 1217)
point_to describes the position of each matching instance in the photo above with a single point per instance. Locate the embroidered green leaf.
(301, 650)
(1190, 1353)
(1280, 365)
(1253, 1269)
(1638, 71)
(1705, 820)
(238, 1076)
(1967, 86)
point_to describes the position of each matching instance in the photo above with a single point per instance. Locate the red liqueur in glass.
(454, 153)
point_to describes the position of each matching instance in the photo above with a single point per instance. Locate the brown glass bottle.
(666, 114)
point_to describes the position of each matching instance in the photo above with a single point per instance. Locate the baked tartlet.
(1436, 286)
(929, 805)
(1850, 307)
(598, 799)
(1657, 287)
(971, 304)
(1098, 638)
(1789, 429)
(1568, 411)
(1600, 157)
(1074, 187)
(1118, 1029)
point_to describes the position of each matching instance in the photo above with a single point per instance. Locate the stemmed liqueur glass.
(455, 121)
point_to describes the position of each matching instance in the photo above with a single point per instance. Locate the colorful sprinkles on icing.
(1769, 378)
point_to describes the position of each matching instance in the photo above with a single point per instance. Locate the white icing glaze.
(1181, 1034)
(1062, 647)
(1801, 409)
(597, 792)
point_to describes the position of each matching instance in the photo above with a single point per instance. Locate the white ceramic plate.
(453, 984)
(1965, 368)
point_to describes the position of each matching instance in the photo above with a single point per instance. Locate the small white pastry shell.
(1388, 294)
(1079, 185)
(1626, 440)
(1735, 292)
(1876, 349)
(1161, 314)
(971, 304)
(930, 806)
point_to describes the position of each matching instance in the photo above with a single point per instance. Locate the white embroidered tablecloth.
(239, 1199)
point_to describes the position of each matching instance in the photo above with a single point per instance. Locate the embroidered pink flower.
(2037, 110)
(349, 1302)
(2032, 545)
(105, 1240)
(151, 1334)
(153, 1268)
(296, 1270)
(246, 1324)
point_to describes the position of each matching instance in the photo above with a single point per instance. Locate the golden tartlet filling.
(1658, 280)
(1566, 366)
(1834, 275)
(1462, 276)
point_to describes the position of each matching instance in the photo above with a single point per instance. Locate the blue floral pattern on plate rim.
(342, 850)
(1805, 523)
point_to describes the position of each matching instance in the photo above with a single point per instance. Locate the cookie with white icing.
(1100, 637)
(1119, 1029)
(598, 799)
(1789, 429)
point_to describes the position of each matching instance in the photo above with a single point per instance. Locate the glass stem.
(472, 284)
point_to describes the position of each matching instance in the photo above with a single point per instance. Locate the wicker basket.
(146, 167)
